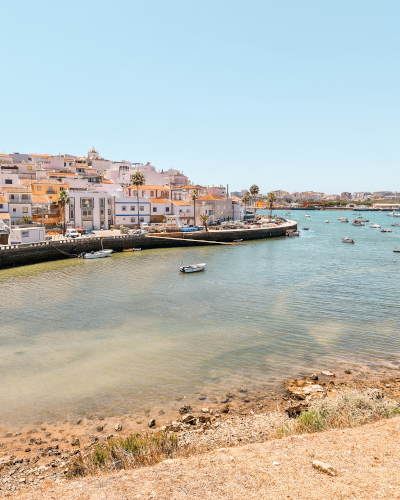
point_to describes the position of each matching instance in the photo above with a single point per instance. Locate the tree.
(246, 198)
(254, 189)
(25, 219)
(138, 180)
(204, 218)
(194, 195)
(271, 199)
(63, 199)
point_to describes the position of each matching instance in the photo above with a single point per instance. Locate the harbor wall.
(19, 255)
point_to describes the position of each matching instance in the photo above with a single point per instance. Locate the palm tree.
(138, 180)
(63, 199)
(194, 195)
(254, 190)
(271, 199)
(246, 198)
(204, 218)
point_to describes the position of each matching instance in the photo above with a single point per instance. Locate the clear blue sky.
(287, 94)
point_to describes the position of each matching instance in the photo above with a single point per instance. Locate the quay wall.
(19, 255)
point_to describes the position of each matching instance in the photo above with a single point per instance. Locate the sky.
(289, 94)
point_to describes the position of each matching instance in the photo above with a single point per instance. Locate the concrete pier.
(19, 255)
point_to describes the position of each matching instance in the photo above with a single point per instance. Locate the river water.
(126, 333)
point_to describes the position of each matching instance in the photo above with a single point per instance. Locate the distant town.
(95, 193)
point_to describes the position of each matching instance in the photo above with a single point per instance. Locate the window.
(72, 202)
(65, 164)
(133, 208)
(143, 193)
(154, 209)
(14, 210)
(141, 208)
(102, 202)
(38, 188)
(87, 202)
(25, 196)
(132, 220)
(151, 194)
(1, 205)
(102, 213)
(180, 196)
(141, 219)
(175, 198)
(166, 209)
(124, 208)
(24, 234)
(8, 181)
(87, 214)
(12, 197)
(109, 211)
(24, 210)
(109, 201)
(187, 210)
(72, 213)
(154, 219)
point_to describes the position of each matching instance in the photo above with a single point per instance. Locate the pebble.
(328, 373)
(323, 467)
(118, 427)
(151, 423)
(205, 410)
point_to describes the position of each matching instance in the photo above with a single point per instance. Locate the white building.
(89, 209)
(9, 176)
(19, 201)
(128, 212)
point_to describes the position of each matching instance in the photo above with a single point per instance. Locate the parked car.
(136, 231)
(88, 233)
(72, 233)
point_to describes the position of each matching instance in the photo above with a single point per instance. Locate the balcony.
(19, 201)
(51, 192)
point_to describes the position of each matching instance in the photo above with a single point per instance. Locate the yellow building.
(260, 204)
(49, 187)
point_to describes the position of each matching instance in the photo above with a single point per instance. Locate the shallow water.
(126, 333)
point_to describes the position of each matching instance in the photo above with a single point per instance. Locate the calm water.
(127, 333)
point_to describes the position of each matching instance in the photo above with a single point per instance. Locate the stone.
(189, 419)
(331, 382)
(161, 412)
(310, 389)
(118, 427)
(327, 373)
(211, 411)
(348, 372)
(314, 376)
(202, 398)
(27, 450)
(75, 442)
(323, 467)
(205, 410)
(9, 434)
(79, 421)
(295, 409)
(100, 428)
(151, 423)
(242, 390)
(225, 409)
(184, 409)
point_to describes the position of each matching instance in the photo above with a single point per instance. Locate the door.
(87, 224)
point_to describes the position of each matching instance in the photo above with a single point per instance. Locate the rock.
(75, 442)
(151, 423)
(161, 412)
(242, 390)
(314, 376)
(27, 450)
(295, 409)
(79, 421)
(296, 393)
(184, 409)
(205, 410)
(323, 467)
(211, 411)
(225, 409)
(163, 428)
(202, 398)
(348, 372)
(189, 419)
(331, 382)
(9, 434)
(310, 389)
(22, 480)
(276, 463)
(118, 427)
(327, 373)
(100, 428)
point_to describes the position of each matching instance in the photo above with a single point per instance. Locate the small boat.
(395, 224)
(305, 228)
(237, 241)
(127, 249)
(292, 232)
(194, 268)
(396, 250)
(307, 215)
(326, 222)
(357, 223)
(341, 218)
(375, 226)
(344, 220)
(386, 230)
(96, 255)
(287, 213)
(347, 240)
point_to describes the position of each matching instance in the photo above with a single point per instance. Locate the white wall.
(126, 212)
(79, 216)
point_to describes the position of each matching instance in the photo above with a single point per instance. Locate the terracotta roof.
(189, 187)
(16, 189)
(235, 198)
(160, 200)
(3, 199)
(107, 181)
(41, 156)
(26, 182)
(61, 174)
(209, 197)
(181, 202)
(40, 198)
(4, 215)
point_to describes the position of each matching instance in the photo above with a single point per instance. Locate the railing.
(27, 201)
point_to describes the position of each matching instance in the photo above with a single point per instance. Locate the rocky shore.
(28, 457)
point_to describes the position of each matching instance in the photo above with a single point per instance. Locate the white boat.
(386, 230)
(357, 223)
(347, 240)
(194, 268)
(292, 232)
(326, 222)
(395, 224)
(96, 255)
(393, 214)
(375, 226)
(307, 215)
(238, 241)
(344, 220)
(396, 250)
(305, 228)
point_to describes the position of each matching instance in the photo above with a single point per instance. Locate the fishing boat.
(347, 240)
(194, 268)
(292, 232)
(375, 226)
(344, 220)
(396, 250)
(100, 254)
(357, 223)
(394, 224)
(386, 230)
(305, 228)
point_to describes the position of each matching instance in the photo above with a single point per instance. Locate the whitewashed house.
(19, 201)
(89, 209)
(128, 212)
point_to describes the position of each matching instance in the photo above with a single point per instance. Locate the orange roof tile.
(235, 198)
(107, 181)
(48, 181)
(26, 182)
(160, 200)
(40, 198)
(3, 199)
(209, 197)
(181, 202)
(189, 187)
(146, 187)
(16, 189)
(61, 174)
(41, 156)
(4, 215)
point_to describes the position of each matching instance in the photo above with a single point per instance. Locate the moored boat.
(305, 228)
(356, 222)
(292, 232)
(194, 268)
(100, 254)
(326, 222)
(375, 226)
(386, 230)
(396, 250)
(347, 240)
